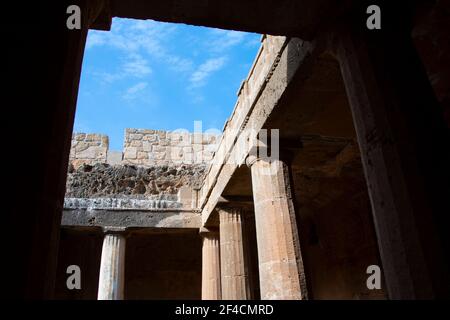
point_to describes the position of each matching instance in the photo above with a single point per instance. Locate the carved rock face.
(103, 180)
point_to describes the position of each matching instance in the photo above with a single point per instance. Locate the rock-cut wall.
(155, 165)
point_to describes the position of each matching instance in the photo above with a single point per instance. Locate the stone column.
(112, 266)
(404, 150)
(233, 255)
(211, 288)
(281, 272)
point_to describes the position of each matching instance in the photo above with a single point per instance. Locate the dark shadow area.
(163, 266)
(83, 249)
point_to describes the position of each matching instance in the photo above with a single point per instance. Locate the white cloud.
(138, 37)
(179, 64)
(212, 65)
(95, 38)
(111, 77)
(133, 92)
(136, 66)
(225, 39)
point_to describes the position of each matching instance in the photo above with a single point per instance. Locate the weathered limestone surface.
(280, 262)
(233, 255)
(131, 218)
(112, 268)
(129, 181)
(211, 276)
(156, 147)
(145, 147)
(88, 149)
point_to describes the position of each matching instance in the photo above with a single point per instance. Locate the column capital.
(251, 159)
(234, 206)
(122, 231)
(210, 231)
(285, 151)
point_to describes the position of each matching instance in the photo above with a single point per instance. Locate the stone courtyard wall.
(155, 147)
(88, 149)
(145, 147)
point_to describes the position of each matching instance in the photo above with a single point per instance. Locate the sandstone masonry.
(145, 147)
(156, 147)
(88, 149)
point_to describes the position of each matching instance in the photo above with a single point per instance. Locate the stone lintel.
(114, 230)
(300, 18)
(208, 231)
(101, 15)
(242, 202)
(113, 219)
(268, 96)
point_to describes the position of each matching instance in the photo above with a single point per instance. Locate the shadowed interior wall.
(335, 221)
(337, 234)
(83, 249)
(157, 266)
(163, 266)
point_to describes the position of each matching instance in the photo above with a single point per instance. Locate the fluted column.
(233, 255)
(281, 270)
(403, 138)
(211, 288)
(112, 267)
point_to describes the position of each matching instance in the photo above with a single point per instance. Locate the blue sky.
(154, 75)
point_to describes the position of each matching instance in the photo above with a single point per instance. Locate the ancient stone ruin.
(330, 179)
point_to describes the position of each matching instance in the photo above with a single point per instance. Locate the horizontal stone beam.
(294, 57)
(120, 203)
(298, 18)
(136, 219)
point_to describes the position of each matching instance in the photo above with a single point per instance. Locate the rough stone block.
(92, 137)
(180, 138)
(93, 153)
(130, 153)
(80, 136)
(146, 146)
(157, 148)
(142, 155)
(177, 152)
(197, 138)
(81, 147)
(160, 155)
(185, 196)
(162, 134)
(136, 143)
(105, 141)
(147, 131)
(114, 157)
(136, 136)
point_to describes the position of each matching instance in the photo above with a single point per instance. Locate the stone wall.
(88, 149)
(145, 147)
(155, 147)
